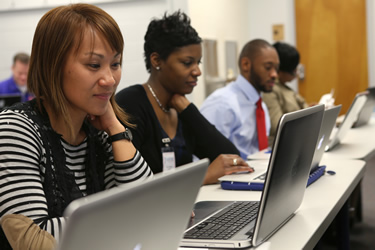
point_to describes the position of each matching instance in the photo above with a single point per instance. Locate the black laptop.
(7, 100)
(250, 223)
(255, 180)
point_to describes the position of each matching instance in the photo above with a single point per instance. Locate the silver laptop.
(284, 188)
(328, 123)
(349, 119)
(255, 180)
(367, 109)
(152, 214)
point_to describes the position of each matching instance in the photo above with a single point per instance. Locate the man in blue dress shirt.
(232, 109)
(17, 83)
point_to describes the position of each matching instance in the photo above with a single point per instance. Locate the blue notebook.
(258, 186)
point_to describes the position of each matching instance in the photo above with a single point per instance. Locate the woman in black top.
(166, 120)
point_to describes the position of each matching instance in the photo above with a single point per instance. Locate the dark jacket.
(201, 137)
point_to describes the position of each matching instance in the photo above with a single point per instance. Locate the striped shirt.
(22, 168)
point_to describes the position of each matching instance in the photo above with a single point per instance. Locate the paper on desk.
(327, 99)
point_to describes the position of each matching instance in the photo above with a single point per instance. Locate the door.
(331, 38)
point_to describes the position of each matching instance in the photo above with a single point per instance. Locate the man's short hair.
(22, 57)
(252, 49)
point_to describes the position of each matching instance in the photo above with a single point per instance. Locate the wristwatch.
(127, 135)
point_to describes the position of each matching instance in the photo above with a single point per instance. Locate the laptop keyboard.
(226, 223)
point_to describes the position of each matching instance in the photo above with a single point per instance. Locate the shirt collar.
(247, 88)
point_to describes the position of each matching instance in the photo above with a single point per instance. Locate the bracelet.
(127, 135)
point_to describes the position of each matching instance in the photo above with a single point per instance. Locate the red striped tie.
(261, 126)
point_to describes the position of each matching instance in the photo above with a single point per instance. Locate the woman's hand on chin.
(179, 102)
(107, 122)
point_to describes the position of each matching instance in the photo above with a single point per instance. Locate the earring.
(157, 68)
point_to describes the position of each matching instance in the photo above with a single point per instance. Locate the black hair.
(167, 34)
(288, 56)
(252, 48)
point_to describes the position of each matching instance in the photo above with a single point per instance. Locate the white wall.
(221, 20)
(263, 17)
(17, 29)
(238, 20)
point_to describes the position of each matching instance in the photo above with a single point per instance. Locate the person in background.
(170, 129)
(68, 142)
(237, 110)
(17, 83)
(283, 99)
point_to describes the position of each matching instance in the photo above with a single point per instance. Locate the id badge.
(169, 161)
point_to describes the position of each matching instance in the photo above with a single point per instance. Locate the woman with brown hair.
(68, 142)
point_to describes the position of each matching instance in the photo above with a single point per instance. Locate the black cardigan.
(201, 137)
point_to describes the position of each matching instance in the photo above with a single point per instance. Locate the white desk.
(358, 143)
(322, 201)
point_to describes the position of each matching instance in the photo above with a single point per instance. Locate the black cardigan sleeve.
(146, 134)
(129, 100)
(205, 139)
(201, 137)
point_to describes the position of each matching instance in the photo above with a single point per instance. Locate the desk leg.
(338, 233)
(355, 205)
(343, 231)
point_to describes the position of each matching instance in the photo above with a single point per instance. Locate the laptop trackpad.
(203, 209)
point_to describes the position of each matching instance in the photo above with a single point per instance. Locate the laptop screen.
(289, 169)
(8, 100)
(367, 109)
(150, 214)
